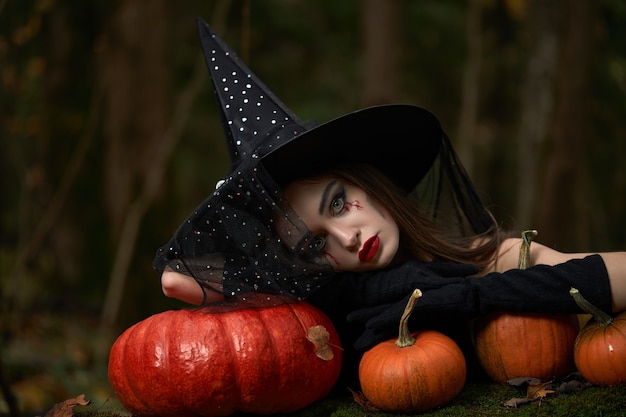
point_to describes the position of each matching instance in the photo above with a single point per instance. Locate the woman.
(354, 214)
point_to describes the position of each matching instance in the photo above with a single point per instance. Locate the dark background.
(110, 137)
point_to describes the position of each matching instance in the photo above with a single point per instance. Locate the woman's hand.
(185, 288)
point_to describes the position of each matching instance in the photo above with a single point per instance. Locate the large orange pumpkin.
(526, 345)
(214, 362)
(600, 350)
(415, 373)
(512, 345)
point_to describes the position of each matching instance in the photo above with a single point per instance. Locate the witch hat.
(255, 121)
(257, 124)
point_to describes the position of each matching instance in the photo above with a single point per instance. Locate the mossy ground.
(487, 399)
(478, 399)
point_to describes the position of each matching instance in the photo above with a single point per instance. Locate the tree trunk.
(470, 94)
(380, 52)
(135, 72)
(564, 208)
(537, 103)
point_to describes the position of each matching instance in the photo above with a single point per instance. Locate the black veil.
(246, 238)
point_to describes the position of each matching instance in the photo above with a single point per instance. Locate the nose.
(348, 237)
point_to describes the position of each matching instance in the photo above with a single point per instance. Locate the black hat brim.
(402, 141)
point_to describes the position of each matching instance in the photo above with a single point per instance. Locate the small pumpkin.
(600, 349)
(417, 372)
(512, 345)
(214, 361)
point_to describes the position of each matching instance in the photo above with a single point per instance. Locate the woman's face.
(353, 231)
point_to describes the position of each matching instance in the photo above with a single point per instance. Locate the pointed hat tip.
(255, 121)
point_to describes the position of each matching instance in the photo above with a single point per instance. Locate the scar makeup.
(332, 258)
(356, 204)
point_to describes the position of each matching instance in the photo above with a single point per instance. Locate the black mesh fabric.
(446, 194)
(246, 237)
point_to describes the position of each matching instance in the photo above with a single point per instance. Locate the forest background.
(110, 136)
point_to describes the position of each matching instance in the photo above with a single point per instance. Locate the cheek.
(337, 257)
(374, 206)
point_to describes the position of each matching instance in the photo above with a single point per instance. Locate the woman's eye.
(319, 242)
(337, 205)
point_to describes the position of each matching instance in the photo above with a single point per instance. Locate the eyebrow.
(325, 194)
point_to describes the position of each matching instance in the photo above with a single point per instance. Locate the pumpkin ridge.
(234, 390)
(610, 337)
(492, 362)
(618, 330)
(188, 359)
(445, 384)
(282, 381)
(296, 313)
(546, 343)
(607, 339)
(152, 372)
(309, 317)
(597, 350)
(166, 337)
(117, 370)
(245, 321)
(140, 379)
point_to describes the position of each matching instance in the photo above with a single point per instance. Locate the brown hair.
(422, 237)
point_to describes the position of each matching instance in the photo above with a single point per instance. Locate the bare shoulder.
(508, 254)
(506, 258)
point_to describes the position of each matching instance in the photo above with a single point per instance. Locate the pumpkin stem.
(603, 319)
(523, 261)
(405, 338)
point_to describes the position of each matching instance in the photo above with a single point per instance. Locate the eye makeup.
(325, 193)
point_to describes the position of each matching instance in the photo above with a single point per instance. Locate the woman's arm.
(542, 255)
(616, 266)
(185, 288)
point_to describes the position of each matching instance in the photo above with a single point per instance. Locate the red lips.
(370, 247)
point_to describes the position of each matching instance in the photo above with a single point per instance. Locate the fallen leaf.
(539, 390)
(362, 401)
(319, 336)
(64, 409)
(536, 390)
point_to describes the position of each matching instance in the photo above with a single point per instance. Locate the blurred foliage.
(56, 357)
(307, 52)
